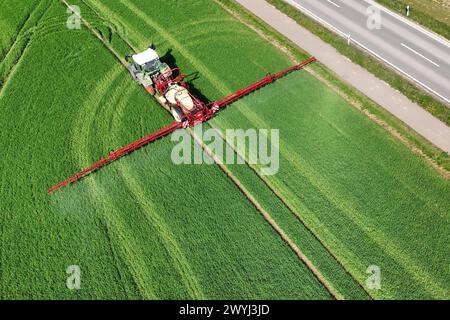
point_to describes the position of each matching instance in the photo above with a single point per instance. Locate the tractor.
(164, 83)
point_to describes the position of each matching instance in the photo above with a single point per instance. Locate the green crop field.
(347, 195)
(134, 230)
(370, 207)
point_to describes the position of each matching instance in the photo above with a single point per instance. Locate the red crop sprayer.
(166, 85)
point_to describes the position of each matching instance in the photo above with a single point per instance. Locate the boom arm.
(259, 84)
(120, 153)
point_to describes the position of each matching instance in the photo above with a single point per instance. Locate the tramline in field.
(167, 86)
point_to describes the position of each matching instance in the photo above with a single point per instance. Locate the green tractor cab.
(146, 66)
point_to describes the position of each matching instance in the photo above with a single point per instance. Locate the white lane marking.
(343, 34)
(420, 55)
(430, 34)
(401, 71)
(301, 8)
(334, 4)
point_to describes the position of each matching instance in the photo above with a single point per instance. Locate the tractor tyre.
(149, 89)
(177, 113)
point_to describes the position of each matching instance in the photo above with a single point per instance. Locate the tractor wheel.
(150, 89)
(177, 113)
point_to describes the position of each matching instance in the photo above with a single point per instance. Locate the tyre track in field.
(124, 91)
(202, 21)
(199, 37)
(50, 26)
(216, 82)
(170, 243)
(274, 188)
(181, 263)
(348, 207)
(126, 243)
(97, 35)
(4, 54)
(7, 74)
(379, 164)
(302, 257)
(173, 248)
(296, 159)
(19, 30)
(27, 36)
(217, 32)
(118, 26)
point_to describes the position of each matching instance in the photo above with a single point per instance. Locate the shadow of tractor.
(171, 61)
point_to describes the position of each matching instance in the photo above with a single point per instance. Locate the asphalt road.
(416, 53)
(387, 97)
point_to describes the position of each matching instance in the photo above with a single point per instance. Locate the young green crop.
(347, 194)
(369, 199)
(140, 228)
(210, 65)
(14, 18)
(16, 26)
(362, 192)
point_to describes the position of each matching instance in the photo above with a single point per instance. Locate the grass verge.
(433, 15)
